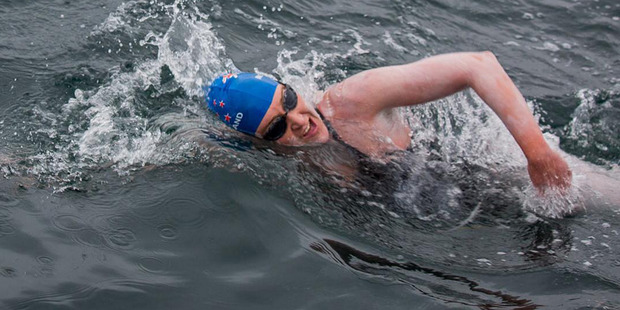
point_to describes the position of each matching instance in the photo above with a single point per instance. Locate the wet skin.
(375, 135)
(362, 109)
(304, 125)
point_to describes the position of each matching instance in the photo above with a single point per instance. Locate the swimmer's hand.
(548, 171)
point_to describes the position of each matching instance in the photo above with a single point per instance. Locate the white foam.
(389, 41)
(111, 129)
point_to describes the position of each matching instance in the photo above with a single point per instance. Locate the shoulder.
(345, 100)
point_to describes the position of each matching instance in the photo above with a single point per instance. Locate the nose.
(296, 120)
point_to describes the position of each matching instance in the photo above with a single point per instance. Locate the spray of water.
(152, 114)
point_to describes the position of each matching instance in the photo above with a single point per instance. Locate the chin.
(320, 138)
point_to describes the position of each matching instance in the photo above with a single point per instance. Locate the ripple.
(186, 211)
(5, 214)
(6, 229)
(146, 211)
(68, 222)
(105, 222)
(123, 238)
(8, 272)
(7, 201)
(152, 265)
(168, 232)
(45, 260)
(90, 237)
(145, 201)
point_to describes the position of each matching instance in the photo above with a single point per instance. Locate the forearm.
(494, 86)
(435, 77)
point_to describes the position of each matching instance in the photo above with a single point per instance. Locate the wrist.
(537, 150)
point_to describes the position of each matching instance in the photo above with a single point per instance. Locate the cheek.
(323, 133)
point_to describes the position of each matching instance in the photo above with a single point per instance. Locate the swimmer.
(360, 111)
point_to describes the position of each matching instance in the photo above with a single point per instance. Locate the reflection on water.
(119, 186)
(379, 266)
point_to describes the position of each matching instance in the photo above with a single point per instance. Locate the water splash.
(119, 124)
(465, 165)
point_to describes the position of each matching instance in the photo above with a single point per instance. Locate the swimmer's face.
(303, 125)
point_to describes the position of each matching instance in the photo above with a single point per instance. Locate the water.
(120, 190)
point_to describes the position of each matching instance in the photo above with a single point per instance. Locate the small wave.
(593, 131)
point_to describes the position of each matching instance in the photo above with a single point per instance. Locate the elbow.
(488, 54)
(484, 65)
(485, 57)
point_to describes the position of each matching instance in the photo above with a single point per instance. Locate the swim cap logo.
(228, 76)
(238, 118)
(241, 100)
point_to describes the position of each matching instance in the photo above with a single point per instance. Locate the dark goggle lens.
(290, 98)
(278, 127)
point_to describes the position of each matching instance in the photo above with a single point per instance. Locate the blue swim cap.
(241, 100)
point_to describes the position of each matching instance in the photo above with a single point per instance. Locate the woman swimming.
(360, 111)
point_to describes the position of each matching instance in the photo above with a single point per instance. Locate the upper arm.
(426, 80)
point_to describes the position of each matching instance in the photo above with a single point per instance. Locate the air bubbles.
(484, 261)
(550, 47)
(527, 16)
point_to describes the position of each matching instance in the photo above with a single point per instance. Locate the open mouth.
(311, 129)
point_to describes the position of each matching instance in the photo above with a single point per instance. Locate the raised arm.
(432, 78)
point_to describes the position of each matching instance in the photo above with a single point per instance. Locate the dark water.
(121, 192)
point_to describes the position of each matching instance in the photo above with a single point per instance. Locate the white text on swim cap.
(238, 118)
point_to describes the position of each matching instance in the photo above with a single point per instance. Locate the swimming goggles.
(278, 127)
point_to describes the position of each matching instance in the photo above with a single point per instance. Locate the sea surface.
(119, 190)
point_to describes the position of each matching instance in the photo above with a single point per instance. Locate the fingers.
(550, 173)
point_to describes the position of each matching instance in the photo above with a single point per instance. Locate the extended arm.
(432, 78)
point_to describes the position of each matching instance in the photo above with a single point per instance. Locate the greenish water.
(121, 191)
